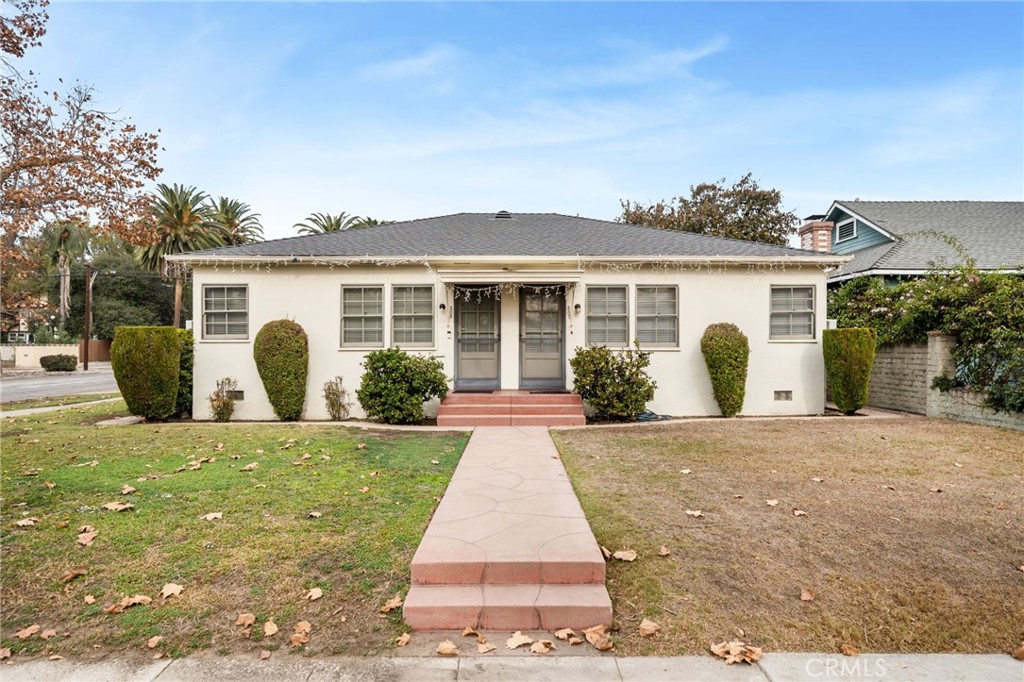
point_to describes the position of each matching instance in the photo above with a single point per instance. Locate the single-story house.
(504, 300)
(899, 239)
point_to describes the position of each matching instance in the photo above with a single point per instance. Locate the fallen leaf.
(313, 594)
(935, 490)
(118, 506)
(738, 497)
(30, 521)
(695, 513)
(517, 640)
(250, 467)
(736, 652)
(245, 619)
(171, 590)
(404, 639)
(85, 539)
(158, 654)
(62, 524)
(314, 515)
(542, 646)
(648, 628)
(134, 600)
(360, 446)
(799, 512)
(817, 480)
(218, 447)
(27, 632)
(806, 595)
(127, 489)
(298, 639)
(598, 637)
(264, 655)
(470, 632)
(269, 628)
(565, 633)
(625, 555)
(212, 516)
(89, 599)
(392, 604)
(847, 650)
(663, 551)
(73, 573)
(5, 653)
(56, 657)
(88, 464)
(434, 461)
(958, 465)
(154, 641)
(448, 648)
(50, 484)
(485, 647)
(606, 552)
(47, 634)
(364, 489)
(114, 608)
(771, 503)
(684, 471)
(574, 640)
(304, 627)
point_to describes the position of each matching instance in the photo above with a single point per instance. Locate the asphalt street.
(20, 386)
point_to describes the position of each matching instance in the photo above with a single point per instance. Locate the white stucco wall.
(311, 295)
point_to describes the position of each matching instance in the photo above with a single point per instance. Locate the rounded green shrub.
(726, 352)
(59, 363)
(183, 404)
(614, 385)
(395, 385)
(849, 356)
(146, 363)
(281, 351)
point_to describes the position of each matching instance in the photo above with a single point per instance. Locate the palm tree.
(370, 222)
(236, 219)
(182, 223)
(320, 223)
(64, 242)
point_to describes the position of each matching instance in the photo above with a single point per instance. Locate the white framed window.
(846, 230)
(362, 316)
(657, 316)
(792, 313)
(607, 316)
(412, 316)
(225, 312)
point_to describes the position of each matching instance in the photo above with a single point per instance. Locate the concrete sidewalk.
(283, 667)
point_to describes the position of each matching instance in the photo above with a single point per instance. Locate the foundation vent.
(783, 395)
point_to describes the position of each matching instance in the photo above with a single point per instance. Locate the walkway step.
(507, 607)
(508, 546)
(510, 420)
(511, 408)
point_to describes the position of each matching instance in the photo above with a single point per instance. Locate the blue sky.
(400, 111)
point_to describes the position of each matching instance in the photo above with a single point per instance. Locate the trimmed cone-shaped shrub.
(281, 351)
(395, 385)
(183, 406)
(726, 352)
(146, 363)
(59, 363)
(614, 385)
(849, 356)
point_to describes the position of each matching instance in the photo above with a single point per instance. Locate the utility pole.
(87, 323)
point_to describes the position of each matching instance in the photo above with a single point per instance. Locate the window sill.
(246, 340)
(360, 349)
(792, 340)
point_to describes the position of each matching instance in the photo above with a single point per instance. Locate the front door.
(477, 342)
(542, 338)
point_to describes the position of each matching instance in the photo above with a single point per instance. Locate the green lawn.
(374, 502)
(30, 403)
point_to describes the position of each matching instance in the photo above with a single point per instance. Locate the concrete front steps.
(511, 408)
(508, 547)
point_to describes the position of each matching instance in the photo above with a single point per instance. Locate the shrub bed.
(614, 385)
(183, 403)
(59, 363)
(146, 363)
(726, 352)
(395, 385)
(849, 356)
(281, 351)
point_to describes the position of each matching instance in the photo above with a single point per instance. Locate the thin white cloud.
(431, 61)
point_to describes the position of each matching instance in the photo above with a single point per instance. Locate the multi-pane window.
(607, 316)
(657, 316)
(412, 316)
(225, 312)
(362, 316)
(792, 313)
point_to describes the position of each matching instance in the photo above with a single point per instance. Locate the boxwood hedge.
(849, 356)
(281, 351)
(726, 352)
(146, 364)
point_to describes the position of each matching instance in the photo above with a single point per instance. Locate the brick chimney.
(816, 234)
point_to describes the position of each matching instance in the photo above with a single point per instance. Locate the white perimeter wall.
(312, 297)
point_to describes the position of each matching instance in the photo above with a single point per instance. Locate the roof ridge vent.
(502, 215)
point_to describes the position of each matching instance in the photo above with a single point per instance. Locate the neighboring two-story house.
(898, 239)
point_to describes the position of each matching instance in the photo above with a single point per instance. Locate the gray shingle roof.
(524, 234)
(992, 232)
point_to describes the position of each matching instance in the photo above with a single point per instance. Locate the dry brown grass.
(895, 567)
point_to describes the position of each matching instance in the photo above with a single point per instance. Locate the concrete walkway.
(283, 667)
(509, 546)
